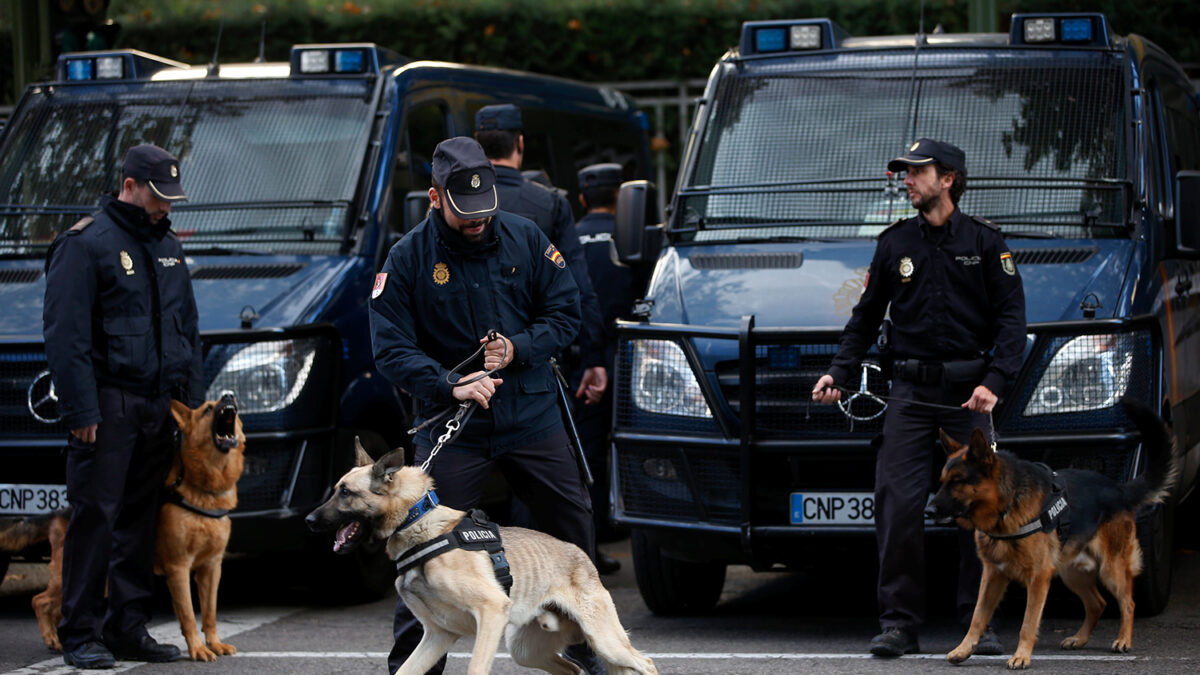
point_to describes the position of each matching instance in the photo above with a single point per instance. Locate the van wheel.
(1152, 588)
(669, 586)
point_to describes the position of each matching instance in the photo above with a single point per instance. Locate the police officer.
(598, 186)
(466, 270)
(498, 128)
(121, 336)
(958, 314)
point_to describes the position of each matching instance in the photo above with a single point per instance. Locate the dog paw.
(1120, 646)
(959, 655)
(222, 649)
(1018, 662)
(1073, 642)
(201, 653)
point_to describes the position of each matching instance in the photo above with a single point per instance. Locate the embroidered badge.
(906, 269)
(380, 283)
(915, 146)
(127, 263)
(474, 181)
(174, 171)
(555, 257)
(169, 262)
(1007, 264)
(441, 274)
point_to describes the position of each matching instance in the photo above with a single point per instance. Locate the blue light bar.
(770, 40)
(342, 59)
(795, 35)
(80, 69)
(1076, 30)
(350, 61)
(111, 65)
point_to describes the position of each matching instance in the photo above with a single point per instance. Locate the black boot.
(606, 564)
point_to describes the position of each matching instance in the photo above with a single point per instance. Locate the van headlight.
(266, 376)
(1089, 372)
(663, 382)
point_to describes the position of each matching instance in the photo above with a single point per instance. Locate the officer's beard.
(462, 240)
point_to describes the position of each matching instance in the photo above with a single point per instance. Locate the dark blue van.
(300, 176)
(1082, 145)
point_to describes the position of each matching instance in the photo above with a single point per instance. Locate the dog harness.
(1055, 515)
(473, 533)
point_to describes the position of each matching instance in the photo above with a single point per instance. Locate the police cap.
(599, 176)
(928, 151)
(467, 176)
(501, 116)
(157, 168)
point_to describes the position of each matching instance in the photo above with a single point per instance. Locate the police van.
(1082, 146)
(300, 176)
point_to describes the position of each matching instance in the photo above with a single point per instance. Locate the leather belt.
(941, 372)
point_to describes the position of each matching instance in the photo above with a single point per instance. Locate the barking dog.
(192, 526)
(556, 596)
(1019, 510)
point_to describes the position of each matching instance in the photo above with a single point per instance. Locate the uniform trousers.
(543, 474)
(906, 467)
(113, 486)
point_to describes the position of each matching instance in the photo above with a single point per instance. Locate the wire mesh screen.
(295, 147)
(806, 140)
(658, 483)
(25, 385)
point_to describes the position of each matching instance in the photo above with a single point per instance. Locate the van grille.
(273, 271)
(18, 369)
(1053, 256)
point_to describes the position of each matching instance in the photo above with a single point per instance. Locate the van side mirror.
(1187, 214)
(635, 241)
(416, 205)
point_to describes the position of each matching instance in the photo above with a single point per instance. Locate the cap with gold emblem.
(157, 168)
(469, 179)
(928, 151)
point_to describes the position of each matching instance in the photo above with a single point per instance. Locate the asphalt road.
(817, 621)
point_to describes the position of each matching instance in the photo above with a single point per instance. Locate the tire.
(672, 587)
(1152, 588)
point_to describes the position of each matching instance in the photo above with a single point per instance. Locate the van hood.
(283, 290)
(817, 285)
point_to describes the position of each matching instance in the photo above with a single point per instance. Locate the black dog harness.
(1055, 515)
(473, 533)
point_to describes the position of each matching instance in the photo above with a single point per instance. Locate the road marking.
(732, 656)
(230, 623)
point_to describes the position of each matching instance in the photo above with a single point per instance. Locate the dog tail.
(18, 534)
(1162, 467)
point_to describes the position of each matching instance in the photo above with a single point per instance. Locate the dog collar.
(424, 505)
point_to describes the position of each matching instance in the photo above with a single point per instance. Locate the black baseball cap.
(500, 116)
(599, 176)
(467, 176)
(157, 168)
(928, 151)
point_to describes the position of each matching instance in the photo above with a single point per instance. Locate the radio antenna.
(215, 67)
(262, 44)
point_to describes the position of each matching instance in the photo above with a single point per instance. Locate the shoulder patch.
(81, 225)
(986, 223)
(555, 257)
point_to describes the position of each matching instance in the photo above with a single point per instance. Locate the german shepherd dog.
(556, 596)
(1002, 497)
(204, 475)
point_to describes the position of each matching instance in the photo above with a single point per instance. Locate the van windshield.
(802, 144)
(267, 165)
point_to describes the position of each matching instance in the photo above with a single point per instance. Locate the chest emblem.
(380, 284)
(441, 274)
(1007, 264)
(127, 263)
(906, 269)
(474, 181)
(555, 257)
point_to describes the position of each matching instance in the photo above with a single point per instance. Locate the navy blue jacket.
(119, 311)
(955, 294)
(613, 282)
(549, 210)
(438, 298)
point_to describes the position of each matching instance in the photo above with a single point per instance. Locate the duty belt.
(940, 372)
(473, 533)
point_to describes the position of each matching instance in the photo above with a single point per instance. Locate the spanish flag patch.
(555, 257)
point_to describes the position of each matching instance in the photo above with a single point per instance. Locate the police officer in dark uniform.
(121, 336)
(498, 128)
(466, 270)
(958, 316)
(598, 185)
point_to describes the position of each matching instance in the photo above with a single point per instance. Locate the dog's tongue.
(343, 535)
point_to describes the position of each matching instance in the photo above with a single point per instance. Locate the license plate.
(22, 499)
(833, 508)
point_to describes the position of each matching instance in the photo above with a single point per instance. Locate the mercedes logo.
(869, 405)
(43, 402)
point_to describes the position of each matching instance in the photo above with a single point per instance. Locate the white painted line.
(229, 623)
(736, 656)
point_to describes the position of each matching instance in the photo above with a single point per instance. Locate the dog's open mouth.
(348, 536)
(224, 427)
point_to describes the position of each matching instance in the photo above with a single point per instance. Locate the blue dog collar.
(424, 505)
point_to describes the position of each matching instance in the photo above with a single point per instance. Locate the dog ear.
(182, 415)
(389, 464)
(981, 449)
(361, 458)
(950, 445)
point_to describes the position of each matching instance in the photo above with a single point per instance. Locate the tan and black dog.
(192, 528)
(1031, 523)
(556, 596)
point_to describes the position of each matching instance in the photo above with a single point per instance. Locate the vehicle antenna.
(262, 44)
(214, 68)
(911, 133)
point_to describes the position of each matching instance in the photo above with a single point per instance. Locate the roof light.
(110, 67)
(314, 61)
(1072, 28)
(806, 36)
(80, 69)
(769, 40)
(766, 37)
(350, 61)
(1076, 30)
(1039, 30)
(113, 64)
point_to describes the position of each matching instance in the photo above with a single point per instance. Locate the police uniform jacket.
(955, 294)
(439, 298)
(549, 210)
(613, 282)
(119, 312)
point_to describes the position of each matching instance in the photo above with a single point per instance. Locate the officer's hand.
(823, 391)
(480, 391)
(593, 385)
(497, 353)
(982, 400)
(85, 434)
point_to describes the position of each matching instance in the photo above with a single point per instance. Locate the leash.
(464, 409)
(882, 400)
